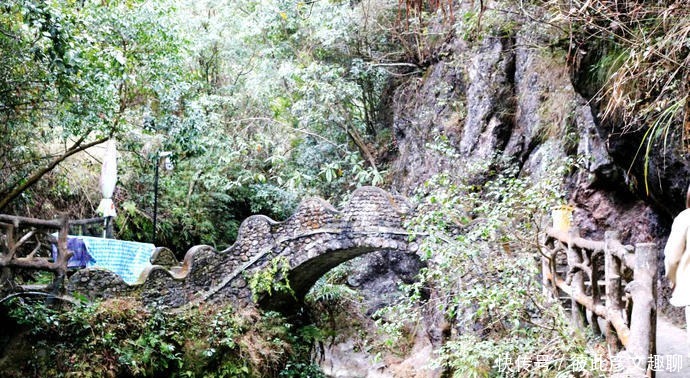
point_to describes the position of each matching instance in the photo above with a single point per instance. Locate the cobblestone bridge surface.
(313, 240)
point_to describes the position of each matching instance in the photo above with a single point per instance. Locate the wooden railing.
(25, 245)
(611, 288)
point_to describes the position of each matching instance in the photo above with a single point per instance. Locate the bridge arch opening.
(304, 276)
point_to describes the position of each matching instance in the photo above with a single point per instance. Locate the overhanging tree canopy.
(71, 72)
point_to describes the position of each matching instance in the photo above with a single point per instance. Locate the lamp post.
(168, 166)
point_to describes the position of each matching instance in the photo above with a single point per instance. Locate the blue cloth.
(126, 258)
(80, 256)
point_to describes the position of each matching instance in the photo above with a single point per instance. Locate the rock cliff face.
(505, 96)
(509, 95)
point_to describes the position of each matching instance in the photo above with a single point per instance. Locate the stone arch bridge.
(315, 239)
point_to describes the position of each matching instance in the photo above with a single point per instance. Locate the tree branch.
(289, 127)
(33, 179)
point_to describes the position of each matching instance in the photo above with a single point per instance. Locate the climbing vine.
(272, 279)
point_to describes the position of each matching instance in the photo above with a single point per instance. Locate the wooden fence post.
(578, 282)
(614, 293)
(7, 275)
(596, 293)
(63, 257)
(549, 274)
(545, 281)
(643, 318)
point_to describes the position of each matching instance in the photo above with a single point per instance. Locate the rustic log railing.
(622, 305)
(25, 244)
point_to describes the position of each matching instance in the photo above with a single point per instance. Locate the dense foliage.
(72, 74)
(260, 104)
(122, 338)
(263, 102)
(481, 282)
(483, 256)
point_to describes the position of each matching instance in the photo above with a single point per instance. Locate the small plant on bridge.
(273, 279)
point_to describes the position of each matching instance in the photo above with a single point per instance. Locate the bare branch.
(40, 293)
(285, 125)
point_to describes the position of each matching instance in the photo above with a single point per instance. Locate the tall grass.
(644, 80)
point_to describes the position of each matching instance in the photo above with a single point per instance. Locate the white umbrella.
(108, 180)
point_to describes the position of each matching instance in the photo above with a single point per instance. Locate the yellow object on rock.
(562, 217)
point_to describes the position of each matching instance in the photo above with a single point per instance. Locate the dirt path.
(672, 350)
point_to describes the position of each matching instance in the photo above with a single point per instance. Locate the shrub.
(482, 248)
(120, 337)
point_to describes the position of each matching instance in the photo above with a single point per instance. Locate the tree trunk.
(363, 149)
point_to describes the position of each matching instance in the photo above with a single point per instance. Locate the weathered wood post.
(596, 293)
(545, 274)
(643, 318)
(577, 279)
(63, 257)
(614, 292)
(548, 271)
(6, 254)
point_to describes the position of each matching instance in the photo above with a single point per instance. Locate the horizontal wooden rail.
(87, 221)
(17, 221)
(616, 318)
(43, 223)
(623, 252)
